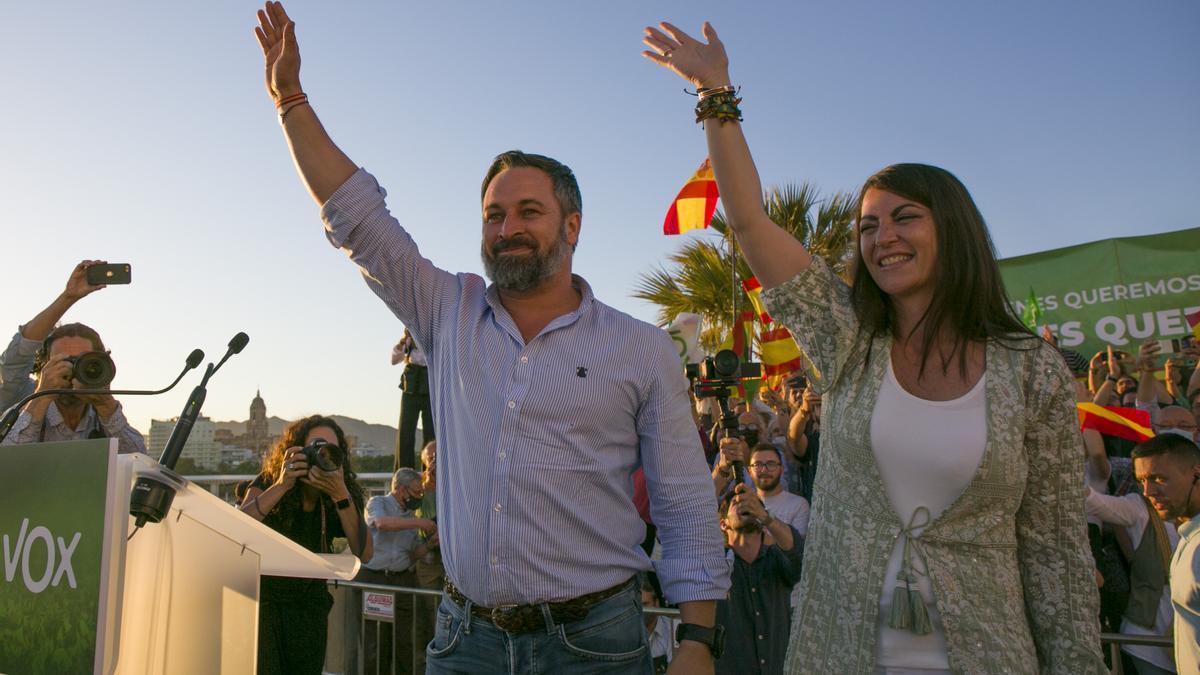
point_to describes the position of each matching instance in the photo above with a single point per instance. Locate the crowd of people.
(919, 499)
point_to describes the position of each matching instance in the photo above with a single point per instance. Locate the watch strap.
(343, 503)
(713, 638)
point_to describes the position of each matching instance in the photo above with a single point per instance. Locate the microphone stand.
(151, 498)
(14, 411)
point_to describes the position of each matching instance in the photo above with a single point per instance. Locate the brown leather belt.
(526, 618)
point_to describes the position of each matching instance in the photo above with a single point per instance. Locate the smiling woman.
(947, 529)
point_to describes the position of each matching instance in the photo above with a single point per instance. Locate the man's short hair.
(768, 447)
(1168, 444)
(66, 330)
(403, 476)
(566, 188)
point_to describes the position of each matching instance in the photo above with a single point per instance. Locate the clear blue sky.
(141, 132)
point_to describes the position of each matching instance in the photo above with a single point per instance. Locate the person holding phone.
(947, 529)
(51, 353)
(16, 363)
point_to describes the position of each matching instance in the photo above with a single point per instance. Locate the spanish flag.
(754, 292)
(1128, 423)
(780, 354)
(1193, 320)
(693, 208)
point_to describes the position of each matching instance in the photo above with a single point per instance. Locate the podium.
(180, 596)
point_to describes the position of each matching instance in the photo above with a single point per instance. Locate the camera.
(716, 374)
(93, 370)
(323, 454)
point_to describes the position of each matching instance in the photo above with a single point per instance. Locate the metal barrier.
(350, 627)
(350, 630)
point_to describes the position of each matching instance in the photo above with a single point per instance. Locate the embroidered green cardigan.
(1009, 561)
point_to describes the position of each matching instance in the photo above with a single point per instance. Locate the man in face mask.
(395, 533)
(1177, 420)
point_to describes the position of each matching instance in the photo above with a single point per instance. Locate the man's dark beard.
(67, 401)
(766, 485)
(524, 272)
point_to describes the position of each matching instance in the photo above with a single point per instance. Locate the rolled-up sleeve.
(682, 504)
(357, 221)
(16, 363)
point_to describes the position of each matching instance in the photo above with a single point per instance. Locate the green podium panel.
(52, 534)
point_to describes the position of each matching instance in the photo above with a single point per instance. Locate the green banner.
(1117, 292)
(52, 500)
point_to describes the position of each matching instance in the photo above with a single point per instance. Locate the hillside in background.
(381, 436)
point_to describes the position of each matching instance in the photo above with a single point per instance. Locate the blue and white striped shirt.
(537, 442)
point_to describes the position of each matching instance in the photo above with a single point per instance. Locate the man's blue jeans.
(610, 639)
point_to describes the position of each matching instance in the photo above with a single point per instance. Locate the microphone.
(11, 415)
(151, 498)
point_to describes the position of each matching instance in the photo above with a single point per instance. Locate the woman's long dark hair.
(283, 515)
(969, 298)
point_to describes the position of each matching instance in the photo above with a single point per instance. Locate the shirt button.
(512, 404)
(760, 637)
(524, 359)
(501, 454)
(497, 507)
(495, 560)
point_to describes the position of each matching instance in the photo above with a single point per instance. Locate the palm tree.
(698, 279)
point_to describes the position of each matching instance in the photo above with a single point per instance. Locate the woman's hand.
(1114, 365)
(704, 65)
(332, 483)
(1148, 352)
(276, 34)
(294, 467)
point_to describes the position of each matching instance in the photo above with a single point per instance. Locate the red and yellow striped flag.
(1128, 423)
(779, 352)
(695, 204)
(1193, 320)
(754, 292)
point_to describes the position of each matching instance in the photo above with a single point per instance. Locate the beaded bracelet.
(722, 107)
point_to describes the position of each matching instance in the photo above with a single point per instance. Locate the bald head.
(1178, 418)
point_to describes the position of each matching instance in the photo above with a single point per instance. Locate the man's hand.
(748, 505)
(104, 404)
(732, 450)
(332, 483)
(277, 35)
(1148, 352)
(1114, 364)
(691, 657)
(55, 374)
(77, 283)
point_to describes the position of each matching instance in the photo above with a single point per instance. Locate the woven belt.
(526, 618)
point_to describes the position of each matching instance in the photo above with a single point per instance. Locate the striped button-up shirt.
(537, 441)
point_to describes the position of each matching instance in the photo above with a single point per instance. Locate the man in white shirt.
(766, 468)
(1168, 468)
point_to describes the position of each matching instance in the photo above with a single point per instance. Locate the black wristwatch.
(713, 637)
(342, 504)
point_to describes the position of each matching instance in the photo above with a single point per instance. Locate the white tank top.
(927, 453)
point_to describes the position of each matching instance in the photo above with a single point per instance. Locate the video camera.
(715, 377)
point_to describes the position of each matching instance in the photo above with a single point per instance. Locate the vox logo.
(58, 557)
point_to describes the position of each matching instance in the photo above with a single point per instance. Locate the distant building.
(201, 447)
(258, 438)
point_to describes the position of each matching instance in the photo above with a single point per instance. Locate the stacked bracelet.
(287, 103)
(719, 103)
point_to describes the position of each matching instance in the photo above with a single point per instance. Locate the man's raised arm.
(322, 165)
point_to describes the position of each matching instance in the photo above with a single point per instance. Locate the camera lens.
(726, 363)
(93, 370)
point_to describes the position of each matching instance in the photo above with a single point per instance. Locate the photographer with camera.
(72, 356)
(767, 554)
(308, 492)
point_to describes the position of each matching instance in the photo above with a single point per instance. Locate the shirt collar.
(1190, 527)
(54, 418)
(577, 282)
